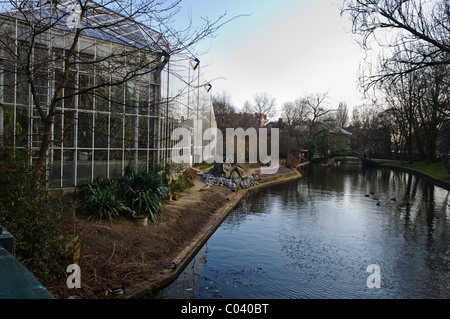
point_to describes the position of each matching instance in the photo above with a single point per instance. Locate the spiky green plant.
(143, 192)
(100, 201)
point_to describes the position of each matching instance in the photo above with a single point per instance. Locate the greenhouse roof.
(99, 22)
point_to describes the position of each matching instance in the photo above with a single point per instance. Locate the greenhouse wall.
(102, 131)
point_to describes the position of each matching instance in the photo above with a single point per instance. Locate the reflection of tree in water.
(324, 251)
(324, 178)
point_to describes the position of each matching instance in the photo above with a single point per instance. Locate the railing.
(16, 281)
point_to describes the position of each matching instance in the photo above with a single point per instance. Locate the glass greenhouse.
(117, 93)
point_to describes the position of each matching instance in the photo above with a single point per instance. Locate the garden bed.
(122, 254)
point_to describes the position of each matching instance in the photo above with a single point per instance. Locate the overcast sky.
(286, 48)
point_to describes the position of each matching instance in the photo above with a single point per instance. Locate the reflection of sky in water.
(314, 238)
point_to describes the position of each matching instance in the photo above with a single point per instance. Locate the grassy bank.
(435, 171)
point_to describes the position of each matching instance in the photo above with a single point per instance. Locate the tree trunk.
(40, 167)
(432, 135)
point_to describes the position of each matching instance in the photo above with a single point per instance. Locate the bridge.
(355, 153)
(362, 155)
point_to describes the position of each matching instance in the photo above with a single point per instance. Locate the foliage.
(323, 147)
(292, 160)
(40, 228)
(138, 192)
(100, 200)
(179, 180)
(167, 170)
(177, 184)
(446, 163)
(312, 148)
(189, 173)
(143, 192)
(205, 165)
(175, 176)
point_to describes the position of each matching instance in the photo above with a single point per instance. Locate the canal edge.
(426, 177)
(216, 220)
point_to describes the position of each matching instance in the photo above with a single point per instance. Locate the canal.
(317, 237)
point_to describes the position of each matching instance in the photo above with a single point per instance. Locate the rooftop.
(99, 22)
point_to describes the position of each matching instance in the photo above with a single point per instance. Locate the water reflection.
(315, 237)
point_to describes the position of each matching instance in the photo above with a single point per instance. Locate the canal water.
(338, 232)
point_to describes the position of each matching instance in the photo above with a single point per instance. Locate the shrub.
(143, 192)
(205, 165)
(40, 228)
(100, 200)
(189, 173)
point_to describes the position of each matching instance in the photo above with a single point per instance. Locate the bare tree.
(294, 115)
(419, 100)
(224, 111)
(318, 108)
(371, 130)
(342, 114)
(141, 30)
(416, 31)
(262, 106)
(413, 68)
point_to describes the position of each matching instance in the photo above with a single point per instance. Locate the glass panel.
(117, 98)
(86, 57)
(153, 131)
(68, 168)
(143, 132)
(142, 160)
(36, 130)
(8, 124)
(144, 100)
(69, 91)
(41, 84)
(57, 131)
(130, 157)
(101, 96)
(100, 163)
(152, 157)
(115, 164)
(69, 129)
(116, 131)
(101, 130)
(154, 106)
(131, 99)
(84, 166)
(8, 89)
(55, 168)
(58, 56)
(22, 130)
(86, 100)
(23, 92)
(85, 129)
(131, 132)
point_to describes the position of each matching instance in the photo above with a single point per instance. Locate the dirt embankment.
(122, 254)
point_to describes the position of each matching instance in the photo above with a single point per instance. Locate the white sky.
(286, 48)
